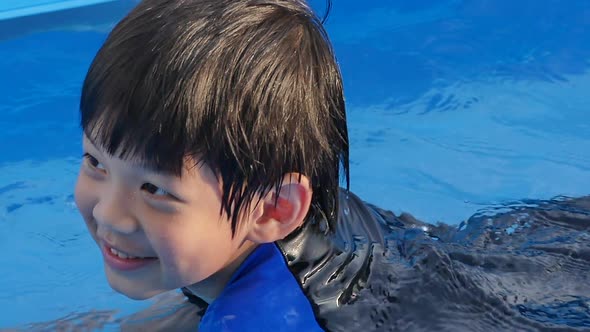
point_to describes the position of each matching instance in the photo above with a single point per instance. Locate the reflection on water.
(454, 104)
(396, 51)
(168, 312)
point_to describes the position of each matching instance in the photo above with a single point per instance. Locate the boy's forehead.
(140, 162)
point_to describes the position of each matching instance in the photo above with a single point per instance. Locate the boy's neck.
(209, 289)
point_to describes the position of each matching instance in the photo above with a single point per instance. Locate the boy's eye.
(93, 162)
(154, 190)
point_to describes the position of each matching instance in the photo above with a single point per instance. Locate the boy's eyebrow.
(87, 138)
(151, 169)
(138, 162)
(87, 142)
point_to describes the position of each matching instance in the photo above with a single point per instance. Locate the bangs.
(135, 130)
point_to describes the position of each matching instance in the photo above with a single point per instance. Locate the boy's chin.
(138, 295)
(133, 289)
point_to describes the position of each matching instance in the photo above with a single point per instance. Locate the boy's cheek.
(84, 198)
(79, 191)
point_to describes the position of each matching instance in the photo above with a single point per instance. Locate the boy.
(214, 140)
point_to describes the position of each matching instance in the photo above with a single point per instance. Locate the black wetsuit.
(525, 269)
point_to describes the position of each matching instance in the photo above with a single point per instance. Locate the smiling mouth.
(124, 255)
(122, 261)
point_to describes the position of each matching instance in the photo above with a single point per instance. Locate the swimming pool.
(454, 106)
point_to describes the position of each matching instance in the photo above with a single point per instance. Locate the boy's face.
(172, 225)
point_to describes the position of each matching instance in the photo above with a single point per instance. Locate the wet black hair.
(250, 88)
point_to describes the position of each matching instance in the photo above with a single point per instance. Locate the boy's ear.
(278, 216)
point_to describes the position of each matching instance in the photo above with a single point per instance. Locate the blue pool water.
(20, 8)
(454, 107)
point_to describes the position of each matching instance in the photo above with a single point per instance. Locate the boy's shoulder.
(261, 295)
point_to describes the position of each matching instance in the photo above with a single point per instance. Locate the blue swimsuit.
(263, 289)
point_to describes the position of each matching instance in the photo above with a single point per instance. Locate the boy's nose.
(113, 211)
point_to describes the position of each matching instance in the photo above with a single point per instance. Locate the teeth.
(122, 254)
